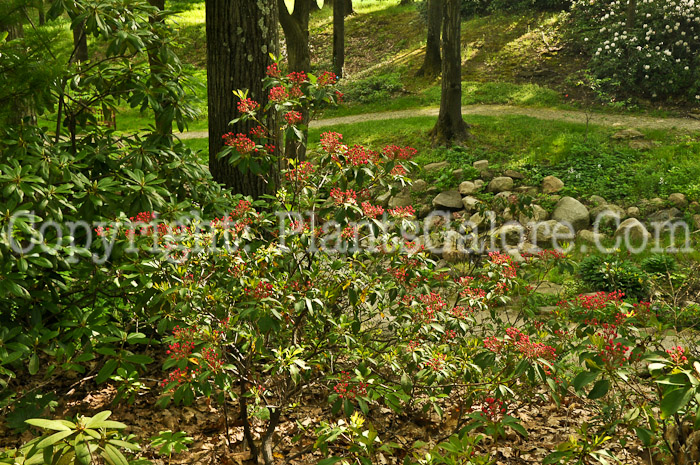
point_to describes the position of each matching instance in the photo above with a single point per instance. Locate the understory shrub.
(373, 89)
(612, 274)
(480, 7)
(649, 51)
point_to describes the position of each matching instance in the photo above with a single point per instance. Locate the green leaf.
(54, 438)
(599, 389)
(33, 364)
(645, 435)
(290, 6)
(584, 379)
(82, 451)
(106, 371)
(48, 424)
(330, 461)
(102, 416)
(675, 400)
(113, 456)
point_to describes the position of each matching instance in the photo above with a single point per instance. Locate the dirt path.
(548, 114)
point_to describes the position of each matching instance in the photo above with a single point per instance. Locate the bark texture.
(240, 36)
(338, 37)
(450, 127)
(432, 63)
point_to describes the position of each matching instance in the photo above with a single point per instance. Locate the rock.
(633, 229)
(467, 188)
(509, 234)
(543, 233)
(481, 165)
(627, 134)
(419, 185)
(383, 199)
(507, 215)
(479, 183)
(458, 173)
(571, 211)
(549, 288)
(470, 203)
(607, 215)
(402, 199)
(694, 206)
(679, 200)
(552, 185)
(663, 216)
(590, 237)
(514, 174)
(696, 222)
(694, 115)
(547, 310)
(527, 190)
(655, 204)
(529, 248)
(633, 212)
(516, 256)
(503, 195)
(424, 211)
(431, 167)
(488, 174)
(478, 219)
(500, 184)
(451, 200)
(642, 144)
(538, 214)
(598, 200)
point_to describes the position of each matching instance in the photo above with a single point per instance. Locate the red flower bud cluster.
(344, 197)
(346, 389)
(372, 211)
(248, 106)
(402, 212)
(331, 142)
(180, 350)
(301, 173)
(273, 70)
(493, 409)
(394, 152)
(241, 142)
(677, 355)
(327, 79)
(293, 117)
(278, 94)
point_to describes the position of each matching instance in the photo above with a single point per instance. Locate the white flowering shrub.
(652, 51)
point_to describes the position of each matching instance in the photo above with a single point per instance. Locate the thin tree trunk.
(163, 112)
(240, 36)
(450, 127)
(22, 106)
(432, 64)
(296, 34)
(80, 43)
(42, 14)
(631, 15)
(338, 37)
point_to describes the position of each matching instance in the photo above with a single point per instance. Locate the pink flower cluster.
(301, 173)
(248, 106)
(677, 355)
(344, 197)
(241, 142)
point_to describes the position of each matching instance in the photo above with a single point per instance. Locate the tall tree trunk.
(631, 15)
(432, 63)
(42, 14)
(22, 107)
(80, 43)
(240, 36)
(338, 37)
(296, 35)
(348, 7)
(450, 127)
(163, 112)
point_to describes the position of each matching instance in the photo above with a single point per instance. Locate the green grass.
(588, 161)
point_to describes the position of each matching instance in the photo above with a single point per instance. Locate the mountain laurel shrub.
(650, 51)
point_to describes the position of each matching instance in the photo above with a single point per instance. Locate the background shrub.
(651, 51)
(612, 274)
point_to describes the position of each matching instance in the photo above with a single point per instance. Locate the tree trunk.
(42, 14)
(14, 31)
(22, 106)
(163, 111)
(432, 63)
(240, 36)
(296, 34)
(631, 15)
(348, 7)
(450, 127)
(338, 37)
(80, 43)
